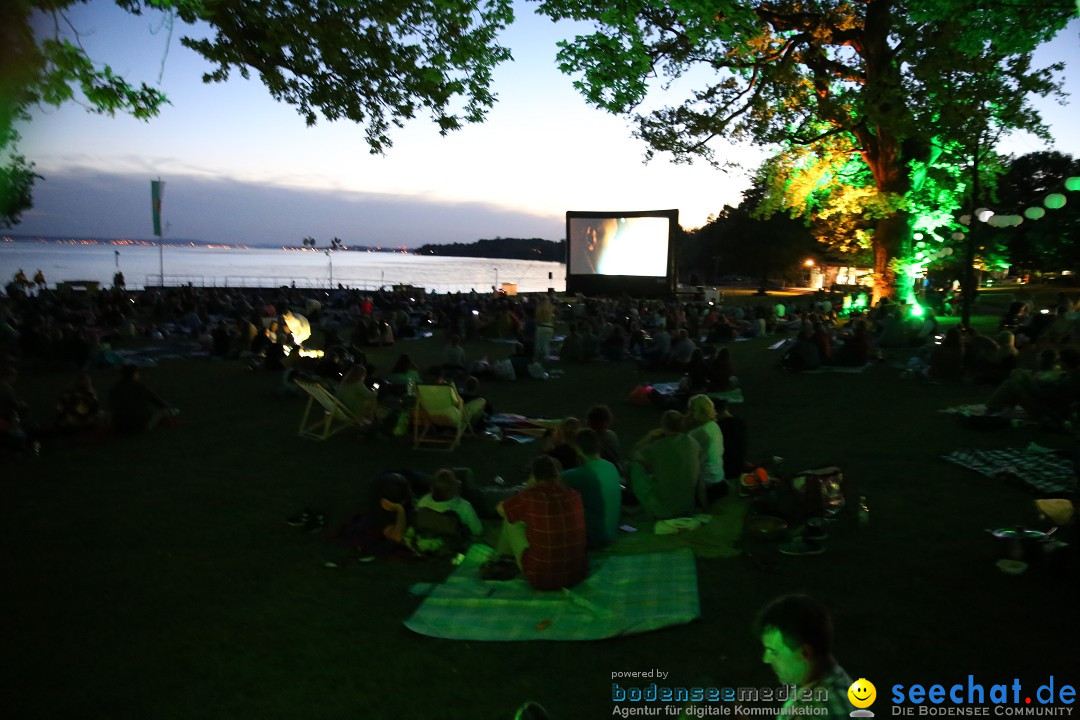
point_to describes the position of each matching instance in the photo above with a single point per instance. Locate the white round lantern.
(1054, 201)
(1034, 213)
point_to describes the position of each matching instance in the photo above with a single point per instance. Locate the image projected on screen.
(619, 246)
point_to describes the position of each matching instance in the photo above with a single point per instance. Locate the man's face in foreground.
(790, 665)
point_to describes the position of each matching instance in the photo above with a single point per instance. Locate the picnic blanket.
(979, 410)
(623, 595)
(732, 396)
(1041, 469)
(521, 429)
(716, 538)
(836, 369)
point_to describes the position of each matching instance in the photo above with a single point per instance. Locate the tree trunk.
(882, 147)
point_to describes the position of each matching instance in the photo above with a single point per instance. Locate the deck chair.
(439, 416)
(333, 418)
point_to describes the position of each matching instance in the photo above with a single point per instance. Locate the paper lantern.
(1054, 201)
(984, 214)
(1034, 213)
(949, 251)
(1073, 183)
(958, 235)
(997, 221)
(965, 219)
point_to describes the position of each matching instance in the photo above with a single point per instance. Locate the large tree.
(374, 62)
(888, 77)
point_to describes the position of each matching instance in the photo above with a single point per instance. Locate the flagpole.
(157, 189)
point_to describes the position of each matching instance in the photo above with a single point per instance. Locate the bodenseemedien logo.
(862, 694)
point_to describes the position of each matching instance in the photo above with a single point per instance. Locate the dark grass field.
(154, 576)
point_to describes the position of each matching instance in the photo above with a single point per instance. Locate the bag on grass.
(809, 494)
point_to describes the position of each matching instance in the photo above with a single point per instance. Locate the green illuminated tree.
(373, 62)
(885, 76)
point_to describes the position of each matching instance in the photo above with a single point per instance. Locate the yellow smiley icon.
(862, 693)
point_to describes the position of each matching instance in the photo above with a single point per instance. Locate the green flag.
(157, 189)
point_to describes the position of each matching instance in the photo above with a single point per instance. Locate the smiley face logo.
(862, 693)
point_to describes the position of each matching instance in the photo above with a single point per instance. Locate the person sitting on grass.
(562, 445)
(600, 418)
(735, 440)
(1048, 401)
(856, 350)
(445, 497)
(544, 532)
(601, 490)
(701, 425)
(134, 406)
(797, 634)
(665, 470)
(382, 526)
(78, 408)
(404, 371)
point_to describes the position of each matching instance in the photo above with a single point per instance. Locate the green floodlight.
(1072, 183)
(917, 310)
(860, 301)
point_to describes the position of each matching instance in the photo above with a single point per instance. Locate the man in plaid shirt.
(545, 529)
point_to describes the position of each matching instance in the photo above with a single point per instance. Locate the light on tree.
(1072, 183)
(984, 214)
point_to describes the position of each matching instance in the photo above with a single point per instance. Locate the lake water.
(270, 267)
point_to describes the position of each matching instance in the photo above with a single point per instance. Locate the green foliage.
(886, 78)
(16, 189)
(373, 62)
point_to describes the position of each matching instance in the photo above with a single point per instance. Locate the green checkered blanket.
(623, 595)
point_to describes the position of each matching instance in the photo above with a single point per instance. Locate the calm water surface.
(263, 267)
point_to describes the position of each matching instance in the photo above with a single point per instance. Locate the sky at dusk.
(242, 168)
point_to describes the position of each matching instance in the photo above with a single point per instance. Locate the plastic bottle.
(864, 511)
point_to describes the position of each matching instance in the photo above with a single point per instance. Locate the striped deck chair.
(439, 416)
(333, 417)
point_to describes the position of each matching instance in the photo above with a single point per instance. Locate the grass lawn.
(154, 576)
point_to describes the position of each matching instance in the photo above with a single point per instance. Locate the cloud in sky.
(83, 202)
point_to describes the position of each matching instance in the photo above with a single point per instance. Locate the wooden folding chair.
(439, 416)
(335, 417)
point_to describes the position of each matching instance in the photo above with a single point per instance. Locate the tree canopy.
(373, 62)
(881, 80)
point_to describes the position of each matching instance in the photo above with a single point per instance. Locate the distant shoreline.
(497, 249)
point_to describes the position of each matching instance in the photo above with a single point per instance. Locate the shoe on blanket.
(502, 568)
(801, 547)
